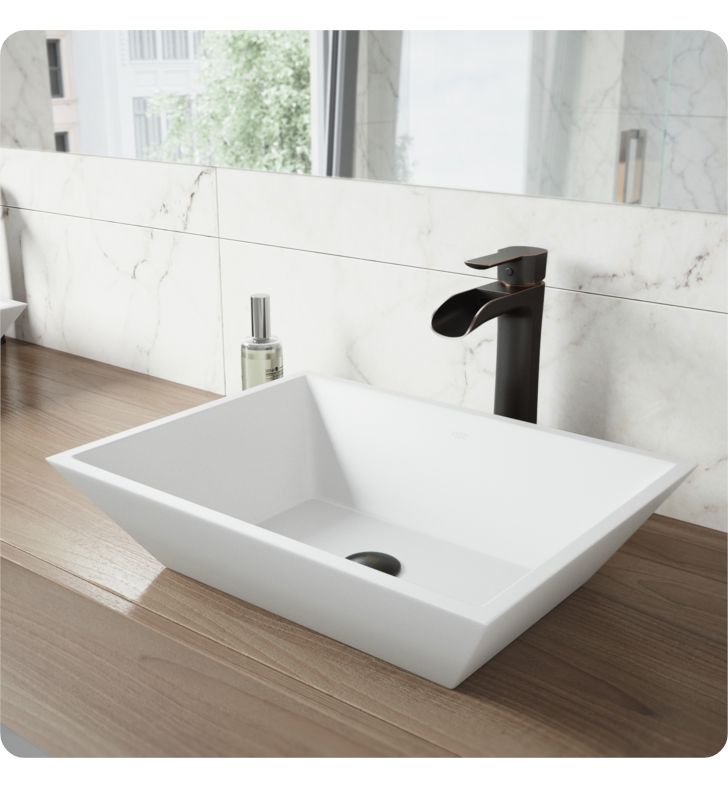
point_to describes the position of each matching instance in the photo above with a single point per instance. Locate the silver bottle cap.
(260, 316)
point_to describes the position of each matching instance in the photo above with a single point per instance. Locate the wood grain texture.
(633, 663)
(81, 680)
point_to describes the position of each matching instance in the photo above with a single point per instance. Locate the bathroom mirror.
(635, 117)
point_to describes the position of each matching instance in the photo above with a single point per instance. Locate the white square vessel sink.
(263, 494)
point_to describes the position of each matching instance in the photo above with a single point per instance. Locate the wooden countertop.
(105, 652)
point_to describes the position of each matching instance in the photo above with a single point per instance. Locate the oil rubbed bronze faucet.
(517, 301)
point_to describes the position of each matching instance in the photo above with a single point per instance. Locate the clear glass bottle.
(261, 356)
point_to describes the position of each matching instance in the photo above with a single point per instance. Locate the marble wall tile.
(649, 254)
(26, 119)
(153, 194)
(380, 55)
(644, 79)
(576, 70)
(646, 68)
(677, 80)
(622, 370)
(592, 160)
(140, 298)
(378, 152)
(598, 73)
(573, 152)
(694, 163)
(698, 82)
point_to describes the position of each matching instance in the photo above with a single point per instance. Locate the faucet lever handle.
(520, 266)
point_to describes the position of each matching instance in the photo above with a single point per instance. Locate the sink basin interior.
(468, 504)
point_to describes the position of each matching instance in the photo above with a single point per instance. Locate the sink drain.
(377, 561)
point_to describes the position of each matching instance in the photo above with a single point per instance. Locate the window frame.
(64, 136)
(55, 70)
(142, 46)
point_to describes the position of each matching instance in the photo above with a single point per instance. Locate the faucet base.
(517, 361)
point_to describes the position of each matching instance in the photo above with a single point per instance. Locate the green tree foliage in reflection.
(252, 108)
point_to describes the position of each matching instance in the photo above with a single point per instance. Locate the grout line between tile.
(472, 276)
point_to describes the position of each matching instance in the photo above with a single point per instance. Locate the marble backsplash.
(671, 257)
(140, 298)
(155, 274)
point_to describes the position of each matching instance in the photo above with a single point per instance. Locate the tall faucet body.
(516, 300)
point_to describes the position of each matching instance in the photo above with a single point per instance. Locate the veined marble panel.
(153, 194)
(678, 72)
(26, 119)
(378, 152)
(649, 254)
(574, 153)
(695, 163)
(699, 77)
(576, 70)
(646, 71)
(645, 375)
(144, 299)
(380, 56)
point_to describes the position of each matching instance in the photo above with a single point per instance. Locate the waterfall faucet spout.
(517, 301)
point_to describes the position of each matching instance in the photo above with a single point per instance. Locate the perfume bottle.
(261, 356)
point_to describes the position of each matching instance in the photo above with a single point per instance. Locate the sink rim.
(12, 308)
(482, 614)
